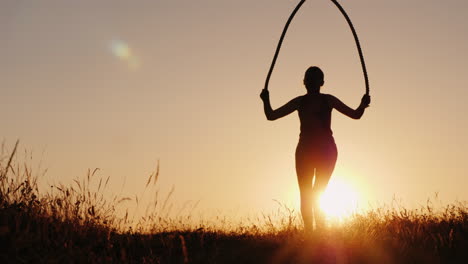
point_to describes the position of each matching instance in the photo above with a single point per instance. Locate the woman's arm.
(284, 110)
(346, 110)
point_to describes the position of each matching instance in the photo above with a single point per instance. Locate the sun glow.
(340, 200)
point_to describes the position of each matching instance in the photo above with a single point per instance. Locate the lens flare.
(122, 51)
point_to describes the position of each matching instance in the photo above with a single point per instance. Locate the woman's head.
(313, 79)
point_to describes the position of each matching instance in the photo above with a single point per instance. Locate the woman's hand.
(365, 101)
(265, 95)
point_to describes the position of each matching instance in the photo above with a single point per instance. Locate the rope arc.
(353, 30)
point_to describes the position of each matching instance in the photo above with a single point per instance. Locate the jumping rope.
(358, 44)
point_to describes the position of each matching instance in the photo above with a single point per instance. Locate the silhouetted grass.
(78, 224)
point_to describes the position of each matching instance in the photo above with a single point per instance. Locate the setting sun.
(339, 200)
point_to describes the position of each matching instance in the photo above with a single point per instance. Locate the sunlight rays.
(340, 200)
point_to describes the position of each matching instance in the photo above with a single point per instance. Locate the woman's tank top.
(315, 116)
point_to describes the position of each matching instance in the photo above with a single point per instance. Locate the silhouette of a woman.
(316, 151)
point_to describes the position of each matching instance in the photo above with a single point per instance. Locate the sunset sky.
(119, 85)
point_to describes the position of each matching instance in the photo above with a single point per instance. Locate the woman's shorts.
(319, 155)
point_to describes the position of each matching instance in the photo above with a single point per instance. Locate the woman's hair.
(313, 78)
(314, 75)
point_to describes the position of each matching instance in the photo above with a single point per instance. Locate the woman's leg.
(323, 174)
(305, 173)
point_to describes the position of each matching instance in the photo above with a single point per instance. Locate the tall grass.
(79, 224)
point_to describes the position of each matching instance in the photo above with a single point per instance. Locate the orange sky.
(121, 84)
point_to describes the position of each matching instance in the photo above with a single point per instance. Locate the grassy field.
(77, 224)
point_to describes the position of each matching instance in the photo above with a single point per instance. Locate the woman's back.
(315, 116)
